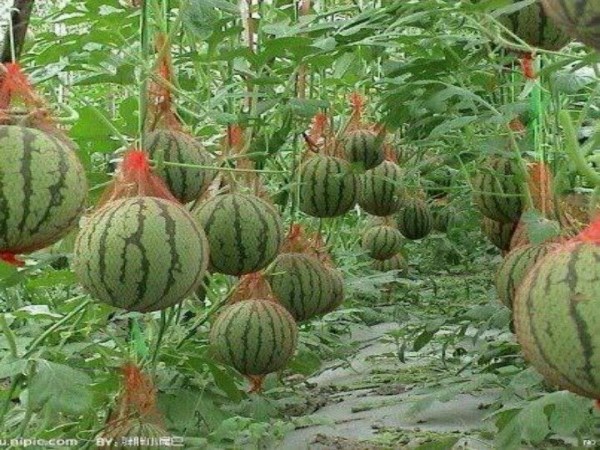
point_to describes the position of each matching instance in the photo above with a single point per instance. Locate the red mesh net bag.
(136, 414)
(252, 286)
(299, 241)
(540, 187)
(11, 258)
(21, 105)
(321, 138)
(591, 233)
(134, 179)
(161, 113)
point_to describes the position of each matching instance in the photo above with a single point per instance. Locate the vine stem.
(42, 337)
(572, 148)
(10, 337)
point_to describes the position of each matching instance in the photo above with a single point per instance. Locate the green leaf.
(64, 389)
(9, 367)
(422, 340)
(9, 275)
(225, 382)
(534, 422)
(539, 229)
(569, 414)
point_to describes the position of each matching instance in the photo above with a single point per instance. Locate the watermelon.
(255, 336)
(396, 262)
(515, 267)
(382, 242)
(186, 183)
(578, 18)
(497, 190)
(337, 291)
(43, 189)
(140, 254)
(302, 284)
(532, 26)
(442, 215)
(328, 187)
(381, 191)
(498, 233)
(245, 233)
(556, 313)
(364, 147)
(414, 219)
(439, 181)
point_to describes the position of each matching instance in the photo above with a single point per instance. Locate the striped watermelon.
(498, 233)
(43, 189)
(396, 262)
(579, 18)
(329, 187)
(442, 215)
(515, 267)
(337, 291)
(254, 336)
(244, 232)
(140, 254)
(497, 190)
(186, 183)
(556, 313)
(414, 219)
(382, 242)
(364, 147)
(302, 284)
(381, 191)
(532, 25)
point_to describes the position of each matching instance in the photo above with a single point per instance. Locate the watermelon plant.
(155, 151)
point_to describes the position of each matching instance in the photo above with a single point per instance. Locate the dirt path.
(368, 400)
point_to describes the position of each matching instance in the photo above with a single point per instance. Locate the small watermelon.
(396, 262)
(381, 190)
(43, 189)
(497, 190)
(256, 336)
(141, 254)
(498, 233)
(337, 292)
(364, 147)
(515, 267)
(245, 233)
(414, 219)
(328, 187)
(302, 284)
(382, 242)
(186, 183)
(579, 18)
